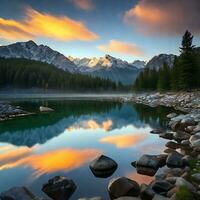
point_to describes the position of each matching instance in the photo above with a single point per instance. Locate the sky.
(126, 29)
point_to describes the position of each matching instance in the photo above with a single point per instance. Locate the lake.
(36, 148)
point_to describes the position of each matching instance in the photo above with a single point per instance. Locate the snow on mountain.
(30, 50)
(109, 67)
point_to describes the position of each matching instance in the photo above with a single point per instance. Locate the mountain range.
(105, 67)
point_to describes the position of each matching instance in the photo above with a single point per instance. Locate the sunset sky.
(128, 29)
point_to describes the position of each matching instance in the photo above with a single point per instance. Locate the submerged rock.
(18, 193)
(122, 186)
(103, 166)
(59, 188)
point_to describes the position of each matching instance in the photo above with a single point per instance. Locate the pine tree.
(187, 68)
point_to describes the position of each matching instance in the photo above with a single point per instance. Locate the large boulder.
(59, 188)
(122, 186)
(181, 135)
(182, 182)
(172, 145)
(195, 140)
(103, 166)
(174, 160)
(18, 193)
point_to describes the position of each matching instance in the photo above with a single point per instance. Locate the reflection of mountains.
(105, 116)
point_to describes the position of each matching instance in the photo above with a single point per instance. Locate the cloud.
(115, 46)
(37, 24)
(84, 4)
(124, 141)
(92, 124)
(170, 17)
(65, 159)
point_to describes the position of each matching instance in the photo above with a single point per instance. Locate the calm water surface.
(36, 148)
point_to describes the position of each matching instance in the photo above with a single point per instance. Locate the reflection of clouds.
(65, 159)
(124, 141)
(140, 178)
(92, 124)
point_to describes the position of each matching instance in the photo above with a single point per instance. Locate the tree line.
(183, 75)
(24, 73)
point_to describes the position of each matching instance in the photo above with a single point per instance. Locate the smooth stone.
(182, 182)
(149, 161)
(59, 188)
(171, 180)
(181, 135)
(103, 166)
(146, 171)
(128, 198)
(161, 186)
(172, 145)
(92, 198)
(162, 159)
(189, 121)
(196, 177)
(146, 193)
(160, 176)
(169, 151)
(160, 197)
(171, 115)
(45, 109)
(122, 186)
(174, 160)
(167, 135)
(17, 193)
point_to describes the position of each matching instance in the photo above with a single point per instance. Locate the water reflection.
(36, 148)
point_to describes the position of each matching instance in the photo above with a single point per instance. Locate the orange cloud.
(84, 4)
(124, 141)
(92, 124)
(37, 24)
(115, 46)
(52, 161)
(165, 17)
(140, 178)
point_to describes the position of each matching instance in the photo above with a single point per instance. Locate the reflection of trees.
(153, 116)
(62, 109)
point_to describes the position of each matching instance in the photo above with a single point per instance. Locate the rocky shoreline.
(180, 177)
(8, 111)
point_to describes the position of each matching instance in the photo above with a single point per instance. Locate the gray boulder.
(182, 182)
(174, 160)
(161, 187)
(146, 192)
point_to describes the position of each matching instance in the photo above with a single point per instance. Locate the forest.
(184, 75)
(24, 73)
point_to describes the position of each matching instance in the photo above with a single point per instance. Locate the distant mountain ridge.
(106, 67)
(30, 50)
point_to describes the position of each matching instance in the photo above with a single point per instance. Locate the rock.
(174, 172)
(167, 135)
(172, 145)
(134, 164)
(128, 198)
(123, 186)
(45, 109)
(169, 151)
(59, 188)
(162, 159)
(174, 160)
(18, 193)
(188, 121)
(148, 164)
(160, 197)
(196, 177)
(160, 176)
(149, 161)
(176, 126)
(195, 140)
(173, 191)
(171, 180)
(155, 131)
(182, 182)
(92, 198)
(161, 187)
(146, 193)
(181, 135)
(171, 115)
(103, 166)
